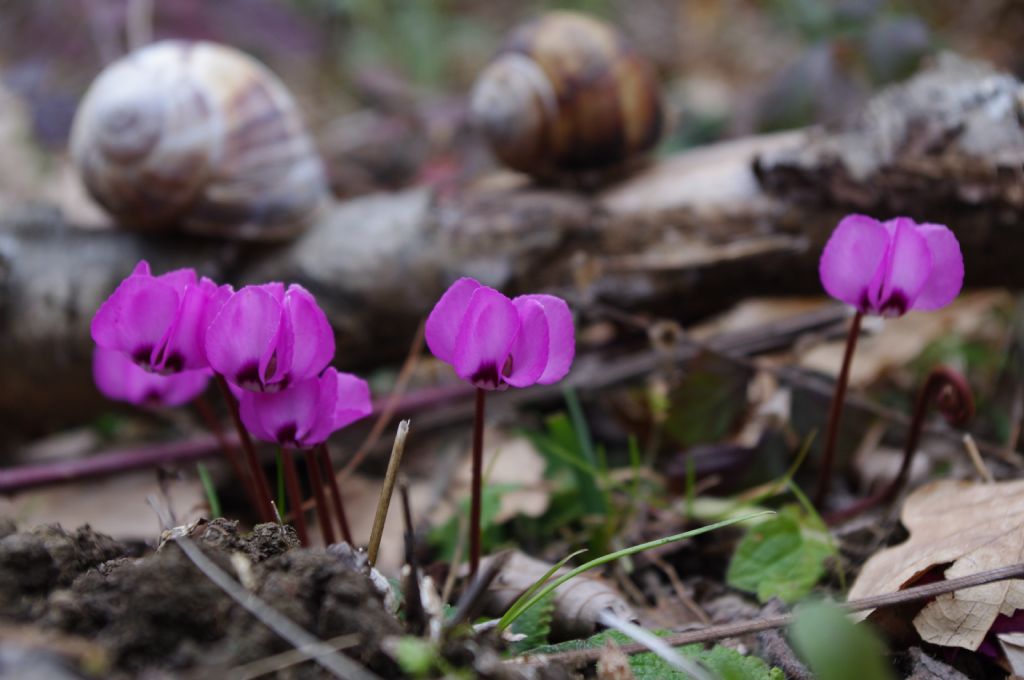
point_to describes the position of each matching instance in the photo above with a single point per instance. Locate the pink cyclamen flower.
(117, 377)
(893, 267)
(159, 321)
(265, 337)
(492, 341)
(306, 413)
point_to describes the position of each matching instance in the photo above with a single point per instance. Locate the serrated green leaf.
(535, 624)
(727, 663)
(781, 557)
(835, 648)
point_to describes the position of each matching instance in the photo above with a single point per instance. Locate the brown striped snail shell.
(566, 95)
(201, 137)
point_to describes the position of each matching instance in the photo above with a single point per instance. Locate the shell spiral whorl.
(567, 95)
(198, 136)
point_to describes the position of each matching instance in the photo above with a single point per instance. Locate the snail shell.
(198, 136)
(566, 95)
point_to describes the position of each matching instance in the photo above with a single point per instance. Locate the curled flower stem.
(317, 482)
(332, 483)
(261, 485)
(834, 413)
(291, 483)
(477, 488)
(952, 395)
(205, 412)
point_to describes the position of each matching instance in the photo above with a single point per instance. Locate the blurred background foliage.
(729, 66)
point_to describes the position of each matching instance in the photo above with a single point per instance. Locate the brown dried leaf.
(578, 603)
(613, 664)
(971, 526)
(898, 342)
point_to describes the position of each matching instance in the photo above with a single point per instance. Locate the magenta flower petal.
(309, 324)
(179, 279)
(135, 319)
(947, 275)
(529, 354)
(241, 339)
(561, 337)
(183, 348)
(284, 417)
(120, 379)
(442, 327)
(907, 266)
(852, 257)
(353, 400)
(486, 335)
(306, 413)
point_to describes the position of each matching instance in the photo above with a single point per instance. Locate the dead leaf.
(972, 527)
(578, 603)
(613, 664)
(896, 342)
(112, 505)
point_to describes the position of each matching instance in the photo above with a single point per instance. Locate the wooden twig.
(385, 493)
(590, 373)
(731, 630)
(335, 663)
(391, 404)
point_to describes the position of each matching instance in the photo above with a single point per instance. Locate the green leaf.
(727, 663)
(535, 625)
(445, 537)
(416, 656)
(782, 557)
(834, 647)
(518, 609)
(708, 403)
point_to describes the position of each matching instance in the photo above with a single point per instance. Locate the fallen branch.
(731, 630)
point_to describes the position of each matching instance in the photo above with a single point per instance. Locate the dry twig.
(385, 493)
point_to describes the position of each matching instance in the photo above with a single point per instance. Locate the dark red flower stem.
(261, 485)
(952, 395)
(476, 503)
(291, 484)
(834, 413)
(206, 413)
(332, 484)
(322, 512)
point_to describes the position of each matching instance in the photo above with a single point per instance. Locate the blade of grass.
(541, 581)
(506, 620)
(210, 489)
(593, 499)
(635, 464)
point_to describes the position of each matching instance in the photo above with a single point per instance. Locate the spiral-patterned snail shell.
(566, 95)
(201, 137)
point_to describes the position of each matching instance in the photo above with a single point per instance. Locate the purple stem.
(317, 482)
(332, 483)
(262, 485)
(951, 393)
(834, 413)
(477, 489)
(202, 406)
(291, 483)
